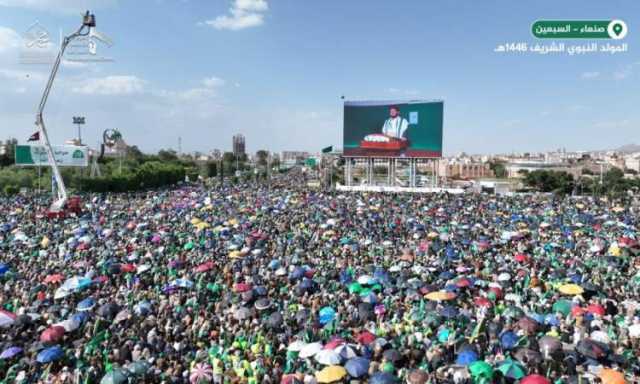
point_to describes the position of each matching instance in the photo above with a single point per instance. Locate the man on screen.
(395, 126)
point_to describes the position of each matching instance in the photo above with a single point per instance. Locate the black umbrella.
(591, 349)
(108, 311)
(302, 315)
(392, 355)
(274, 320)
(526, 355)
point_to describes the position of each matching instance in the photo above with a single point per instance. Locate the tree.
(212, 169)
(8, 157)
(134, 153)
(262, 156)
(550, 181)
(498, 169)
(167, 155)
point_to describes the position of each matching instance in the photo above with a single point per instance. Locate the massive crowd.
(278, 283)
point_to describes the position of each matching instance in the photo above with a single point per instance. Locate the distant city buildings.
(239, 148)
(291, 158)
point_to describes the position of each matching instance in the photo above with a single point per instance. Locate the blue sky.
(275, 70)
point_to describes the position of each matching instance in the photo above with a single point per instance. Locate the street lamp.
(79, 121)
(88, 23)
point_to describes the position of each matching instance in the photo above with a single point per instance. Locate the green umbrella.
(355, 288)
(138, 368)
(481, 369)
(512, 369)
(117, 376)
(513, 312)
(562, 306)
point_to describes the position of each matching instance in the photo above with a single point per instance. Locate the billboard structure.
(409, 129)
(66, 156)
(400, 137)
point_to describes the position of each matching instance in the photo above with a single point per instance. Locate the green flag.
(327, 149)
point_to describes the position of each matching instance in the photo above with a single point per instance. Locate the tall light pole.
(79, 121)
(88, 23)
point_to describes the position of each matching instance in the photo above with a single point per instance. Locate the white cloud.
(212, 82)
(111, 85)
(590, 75)
(59, 6)
(9, 39)
(402, 92)
(242, 14)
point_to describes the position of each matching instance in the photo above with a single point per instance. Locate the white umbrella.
(600, 336)
(6, 318)
(328, 357)
(143, 268)
(504, 277)
(346, 351)
(296, 346)
(61, 293)
(310, 349)
(634, 330)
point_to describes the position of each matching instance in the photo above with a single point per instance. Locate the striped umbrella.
(201, 373)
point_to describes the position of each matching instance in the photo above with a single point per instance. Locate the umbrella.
(392, 355)
(357, 367)
(10, 352)
(548, 345)
(440, 296)
(571, 289)
(330, 374)
(262, 304)
(182, 283)
(449, 312)
(108, 311)
(76, 283)
(611, 376)
(142, 308)
(365, 337)
(274, 320)
(204, 267)
(634, 330)
(527, 324)
(346, 351)
(138, 368)
(509, 340)
(595, 309)
(417, 376)
(591, 349)
(383, 378)
(122, 316)
(466, 357)
(55, 278)
(562, 306)
(52, 335)
(200, 373)
(526, 355)
(242, 313)
(326, 315)
(6, 318)
(117, 376)
(512, 369)
(296, 346)
(86, 305)
(535, 379)
(50, 354)
(310, 349)
(481, 369)
(483, 302)
(328, 357)
(334, 343)
(4, 268)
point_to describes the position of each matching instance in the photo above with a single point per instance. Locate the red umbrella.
(596, 309)
(521, 258)
(483, 302)
(576, 310)
(463, 282)
(204, 267)
(335, 342)
(55, 278)
(126, 268)
(496, 291)
(527, 324)
(366, 338)
(534, 379)
(241, 287)
(101, 279)
(52, 335)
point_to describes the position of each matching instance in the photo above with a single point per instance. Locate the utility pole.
(179, 145)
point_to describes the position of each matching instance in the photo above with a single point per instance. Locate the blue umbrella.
(50, 354)
(466, 357)
(383, 378)
(297, 273)
(326, 315)
(552, 320)
(369, 297)
(142, 308)
(80, 317)
(509, 340)
(86, 305)
(357, 367)
(182, 283)
(449, 312)
(446, 275)
(10, 352)
(4, 268)
(274, 264)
